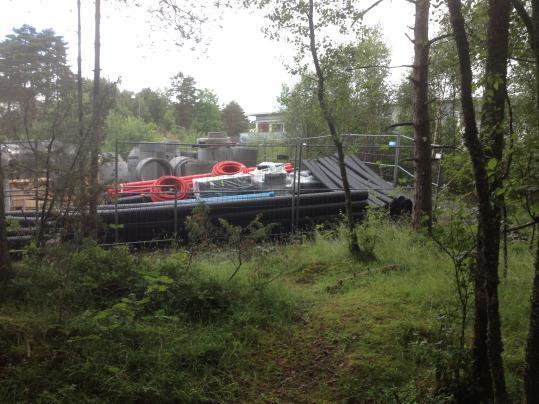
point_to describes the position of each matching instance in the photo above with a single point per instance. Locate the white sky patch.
(239, 63)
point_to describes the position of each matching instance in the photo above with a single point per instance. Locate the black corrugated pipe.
(135, 199)
(306, 199)
(166, 212)
(156, 230)
(140, 229)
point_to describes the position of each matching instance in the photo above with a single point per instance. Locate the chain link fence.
(148, 189)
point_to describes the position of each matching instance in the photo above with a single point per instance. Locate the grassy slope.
(362, 333)
(326, 330)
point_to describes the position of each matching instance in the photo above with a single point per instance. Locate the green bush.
(166, 331)
(88, 276)
(147, 329)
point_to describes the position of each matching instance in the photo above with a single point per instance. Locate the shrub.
(74, 278)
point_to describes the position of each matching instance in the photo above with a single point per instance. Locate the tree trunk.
(481, 369)
(79, 74)
(81, 200)
(5, 263)
(352, 241)
(535, 47)
(492, 133)
(97, 127)
(532, 27)
(481, 366)
(531, 371)
(422, 214)
(489, 226)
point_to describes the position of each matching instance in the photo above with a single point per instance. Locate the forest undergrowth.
(299, 322)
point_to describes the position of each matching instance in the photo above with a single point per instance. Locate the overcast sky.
(239, 63)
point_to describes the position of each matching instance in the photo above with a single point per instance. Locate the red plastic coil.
(228, 168)
(165, 187)
(184, 184)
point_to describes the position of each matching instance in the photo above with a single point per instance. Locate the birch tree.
(485, 151)
(316, 29)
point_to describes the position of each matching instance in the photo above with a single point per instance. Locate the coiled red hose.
(163, 188)
(168, 188)
(228, 168)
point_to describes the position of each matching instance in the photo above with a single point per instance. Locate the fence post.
(438, 179)
(293, 200)
(298, 189)
(397, 160)
(116, 185)
(36, 189)
(6, 195)
(176, 215)
(4, 185)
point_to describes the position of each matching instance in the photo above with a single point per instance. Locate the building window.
(263, 127)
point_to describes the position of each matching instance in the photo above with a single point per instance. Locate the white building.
(268, 122)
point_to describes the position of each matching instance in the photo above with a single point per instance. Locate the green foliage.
(520, 188)
(37, 85)
(155, 107)
(234, 119)
(144, 329)
(455, 234)
(68, 278)
(129, 128)
(367, 233)
(184, 91)
(359, 97)
(33, 73)
(301, 109)
(198, 226)
(240, 242)
(207, 113)
(457, 172)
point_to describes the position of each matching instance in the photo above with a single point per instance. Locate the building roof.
(267, 116)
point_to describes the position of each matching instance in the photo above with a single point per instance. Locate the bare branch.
(370, 7)
(398, 124)
(438, 38)
(523, 226)
(362, 14)
(521, 60)
(350, 69)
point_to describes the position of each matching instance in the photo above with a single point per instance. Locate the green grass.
(299, 323)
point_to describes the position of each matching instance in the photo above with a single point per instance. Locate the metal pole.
(36, 185)
(5, 186)
(293, 200)
(116, 235)
(176, 215)
(397, 160)
(438, 179)
(299, 182)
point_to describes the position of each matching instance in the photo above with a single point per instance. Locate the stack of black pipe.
(140, 222)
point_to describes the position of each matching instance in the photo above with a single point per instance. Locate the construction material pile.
(280, 194)
(26, 193)
(226, 177)
(158, 220)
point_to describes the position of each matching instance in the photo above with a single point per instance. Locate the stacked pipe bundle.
(170, 187)
(149, 221)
